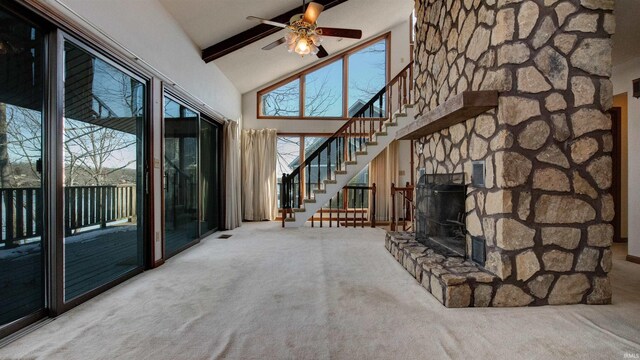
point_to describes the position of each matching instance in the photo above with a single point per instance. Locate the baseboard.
(633, 259)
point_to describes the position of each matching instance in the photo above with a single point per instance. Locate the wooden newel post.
(393, 207)
(282, 199)
(409, 198)
(373, 206)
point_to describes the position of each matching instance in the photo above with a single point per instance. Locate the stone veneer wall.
(545, 210)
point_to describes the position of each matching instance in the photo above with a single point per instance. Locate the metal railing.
(21, 209)
(345, 144)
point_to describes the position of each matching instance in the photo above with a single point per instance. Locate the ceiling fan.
(305, 35)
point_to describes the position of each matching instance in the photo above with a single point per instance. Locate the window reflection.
(103, 173)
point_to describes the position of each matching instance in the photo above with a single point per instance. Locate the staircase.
(330, 167)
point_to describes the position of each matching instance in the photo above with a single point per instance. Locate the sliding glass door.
(22, 283)
(103, 158)
(180, 176)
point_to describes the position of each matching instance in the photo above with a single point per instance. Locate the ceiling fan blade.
(322, 52)
(275, 43)
(343, 33)
(313, 11)
(267, 22)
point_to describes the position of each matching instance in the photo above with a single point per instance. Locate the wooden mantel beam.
(456, 109)
(256, 33)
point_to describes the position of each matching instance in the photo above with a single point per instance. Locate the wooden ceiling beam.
(256, 33)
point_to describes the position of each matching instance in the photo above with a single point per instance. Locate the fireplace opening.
(440, 212)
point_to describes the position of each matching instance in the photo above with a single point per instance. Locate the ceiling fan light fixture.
(303, 47)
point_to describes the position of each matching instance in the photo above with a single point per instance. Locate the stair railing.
(404, 195)
(349, 208)
(345, 144)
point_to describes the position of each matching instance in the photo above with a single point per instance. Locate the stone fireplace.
(440, 212)
(543, 206)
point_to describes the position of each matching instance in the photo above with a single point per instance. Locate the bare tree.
(288, 150)
(367, 88)
(285, 100)
(89, 148)
(92, 152)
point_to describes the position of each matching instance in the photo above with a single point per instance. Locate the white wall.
(623, 75)
(145, 28)
(399, 59)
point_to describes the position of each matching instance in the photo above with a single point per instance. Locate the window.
(288, 158)
(334, 89)
(283, 101)
(323, 91)
(367, 75)
(22, 89)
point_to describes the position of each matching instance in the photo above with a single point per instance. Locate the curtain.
(259, 200)
(383, 171)
(233, 190)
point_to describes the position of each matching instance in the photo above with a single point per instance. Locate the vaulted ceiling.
(208, 22)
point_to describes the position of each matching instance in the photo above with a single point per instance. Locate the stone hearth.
(452, 280)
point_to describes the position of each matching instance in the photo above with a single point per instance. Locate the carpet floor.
(272, 293)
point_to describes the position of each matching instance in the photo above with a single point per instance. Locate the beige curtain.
(383, 171)
(259, 174)
(233, 190)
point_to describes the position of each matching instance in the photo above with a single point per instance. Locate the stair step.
(350, 162)
(390, 124)
(371, 143)
(297, 210)
(310, 201)
(289, 220)
(382, 133)
(330, 181)
(320, 191)
(361, 153)
(340, 172)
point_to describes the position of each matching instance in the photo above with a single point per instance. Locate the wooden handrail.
(409, 207)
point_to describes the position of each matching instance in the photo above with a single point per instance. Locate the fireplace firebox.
(440, 212)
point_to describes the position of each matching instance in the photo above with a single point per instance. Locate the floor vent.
(224, 236)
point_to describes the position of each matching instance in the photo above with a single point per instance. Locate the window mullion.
(345, 86)
(301, 91)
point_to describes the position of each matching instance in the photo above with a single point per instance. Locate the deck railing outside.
(21, 209)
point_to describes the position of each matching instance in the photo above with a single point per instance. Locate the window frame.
(301, 75)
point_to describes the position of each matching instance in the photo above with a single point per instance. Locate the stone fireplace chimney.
(544, 209)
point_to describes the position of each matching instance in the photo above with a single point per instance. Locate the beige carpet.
(269, 293)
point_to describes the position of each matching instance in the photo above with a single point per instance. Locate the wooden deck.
(92, 259)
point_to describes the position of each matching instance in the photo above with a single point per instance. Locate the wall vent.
(477, 174)
(478, 250)
(636, 88)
